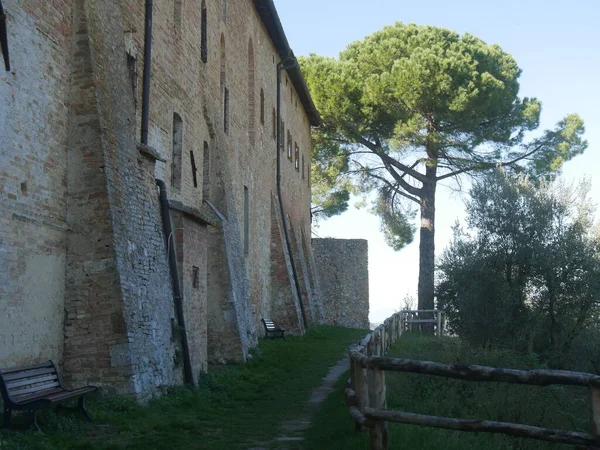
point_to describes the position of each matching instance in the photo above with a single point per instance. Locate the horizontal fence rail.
(365, 390)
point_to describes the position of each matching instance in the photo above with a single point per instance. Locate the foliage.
(412, 105)
(527, 274)
(232, 407)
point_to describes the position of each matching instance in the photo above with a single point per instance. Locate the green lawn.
(233, 407)
(553, 407)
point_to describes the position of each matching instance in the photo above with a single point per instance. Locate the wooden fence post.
(377, 400)
(438, 313)
(361, 389)
(594, 389)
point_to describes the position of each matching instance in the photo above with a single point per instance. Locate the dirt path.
(291, 432)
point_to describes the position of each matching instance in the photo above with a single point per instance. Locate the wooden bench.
(30, 388)
(271, 331)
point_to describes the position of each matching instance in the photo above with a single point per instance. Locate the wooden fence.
(365, 390)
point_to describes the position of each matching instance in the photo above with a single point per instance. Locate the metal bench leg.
(84, 411)
(7, 418)
(34, 420)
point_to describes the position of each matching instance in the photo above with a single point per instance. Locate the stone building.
(94, 197)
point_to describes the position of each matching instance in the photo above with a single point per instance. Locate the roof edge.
(268, 14)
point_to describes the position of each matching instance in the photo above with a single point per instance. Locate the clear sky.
(556, 43)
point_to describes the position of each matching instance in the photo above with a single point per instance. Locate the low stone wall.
(342, 269)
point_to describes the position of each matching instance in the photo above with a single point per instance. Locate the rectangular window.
(133, 73)
(289, 145)
(296, 157)
(177, 151)
(246, 221)
(226, 111)
(195, 277)
(203, 35)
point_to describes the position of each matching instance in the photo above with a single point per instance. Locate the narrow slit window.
(177, 151)
(194, 169)
(246, 221)
(133, 74)
(206, 172)
(289, 145)
(195, 277)
(204, 33)
(296, 157)
(303, 167)
(226, 111)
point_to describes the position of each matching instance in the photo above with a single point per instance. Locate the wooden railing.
(365, 391)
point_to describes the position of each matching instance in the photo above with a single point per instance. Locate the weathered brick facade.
(85, 279)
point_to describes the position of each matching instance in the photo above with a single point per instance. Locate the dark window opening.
(204, 33)
(177, 151)
(262, 107)
(195, 277)
(246, 221)
(296, 157)
(289, 145)
(194, 169)
(206, 172)
(226, 111)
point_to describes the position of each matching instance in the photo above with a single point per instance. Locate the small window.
(177, 151)
(194, 169)
(262, 107)
(246, 221)
(226, 111)
(204, 33)
(296, 157)
(289, 145)
(206, 172)
(195, 277)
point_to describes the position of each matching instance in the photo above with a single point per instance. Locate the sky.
(556, 44)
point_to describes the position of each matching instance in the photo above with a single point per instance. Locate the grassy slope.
(234, 406)
(553, 407)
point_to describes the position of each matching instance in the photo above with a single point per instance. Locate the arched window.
(251, 89)
(262, 107)
(203, 33)
(176, 151)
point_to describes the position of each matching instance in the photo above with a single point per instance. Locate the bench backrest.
(18, 383)
(269, 325)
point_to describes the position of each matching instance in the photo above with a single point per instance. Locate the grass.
(552, 407)
(233, 406)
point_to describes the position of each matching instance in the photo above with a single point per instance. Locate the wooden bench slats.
(38, 389)
(15, 384)
(27, 374)
(272, 331)
(22, 399)
(68, 394)
(24, 368)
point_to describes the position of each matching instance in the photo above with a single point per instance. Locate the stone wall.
(342, 269)
(86, 277)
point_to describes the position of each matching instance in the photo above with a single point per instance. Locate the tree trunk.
(426, 241)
